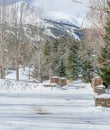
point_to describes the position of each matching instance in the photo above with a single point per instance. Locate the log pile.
(62, 82)
(105, 102)
(54, 79)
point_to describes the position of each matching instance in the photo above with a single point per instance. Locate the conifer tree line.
(27, 45)
(70, 58)
(61, 58)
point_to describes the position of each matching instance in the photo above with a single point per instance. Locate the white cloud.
(63, 8)
(59, 5)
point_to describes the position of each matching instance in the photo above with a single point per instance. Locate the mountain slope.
(32, 21)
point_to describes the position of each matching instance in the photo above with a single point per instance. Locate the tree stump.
(54, 79)
(62, 82)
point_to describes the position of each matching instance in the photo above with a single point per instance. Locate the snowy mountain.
(55, 26)
(61, 27)
(31, 17)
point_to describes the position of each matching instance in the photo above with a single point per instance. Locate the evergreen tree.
(72, 66)
(87, 71)
(61, 57)
(35, 72)
(86, 55)
(104, 59)
(47, 48)
(55, 57)
(62, 69)
(47, 60)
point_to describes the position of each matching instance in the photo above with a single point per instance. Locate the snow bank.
(31, 106)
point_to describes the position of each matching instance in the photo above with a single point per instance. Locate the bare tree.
(17, 21)
(2, 37)
(40, 41)
(97, 18)
(97, 15)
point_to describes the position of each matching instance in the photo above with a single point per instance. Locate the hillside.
(32, 19)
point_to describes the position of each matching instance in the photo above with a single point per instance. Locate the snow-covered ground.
(31, 106)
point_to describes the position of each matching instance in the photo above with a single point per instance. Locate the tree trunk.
(2, 73)
(29, 73)
(17, 73)
(40, 67)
